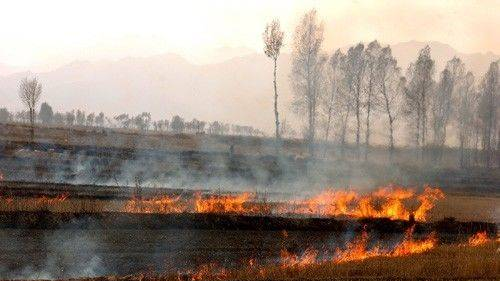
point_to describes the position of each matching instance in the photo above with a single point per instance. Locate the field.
(147, 206)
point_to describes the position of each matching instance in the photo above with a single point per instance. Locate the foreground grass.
(444, 262)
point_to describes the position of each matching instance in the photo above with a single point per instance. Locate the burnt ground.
(117, 220)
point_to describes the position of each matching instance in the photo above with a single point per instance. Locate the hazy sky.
(49, 33)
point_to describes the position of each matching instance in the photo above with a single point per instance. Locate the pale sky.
(49, 33)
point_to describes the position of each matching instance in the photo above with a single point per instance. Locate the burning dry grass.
(391, 202)
(386, 202)
(409, 259)
(445, 262)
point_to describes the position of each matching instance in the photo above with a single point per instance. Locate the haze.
(42, 35)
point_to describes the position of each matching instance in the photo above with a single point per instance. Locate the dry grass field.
(467, 208)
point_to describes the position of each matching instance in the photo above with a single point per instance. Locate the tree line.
(141, 122)
(340, 94)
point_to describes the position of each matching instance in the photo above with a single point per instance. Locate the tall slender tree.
(336, 90)
(488, 107)
(443, 100)
(371, 55)
(420, 89)
(273, 41)
(307, 69)
(392, 86)
(467, 99)
(355, 69)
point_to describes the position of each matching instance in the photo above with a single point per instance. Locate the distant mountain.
(236, 90)
(407, 52)
(219, 55)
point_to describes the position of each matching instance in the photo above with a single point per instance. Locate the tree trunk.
(343, 135)
(276, 117)
(367, 135)
(310, 137)
(358, 122)
(32, 127)
(391, 136)
(327, 133)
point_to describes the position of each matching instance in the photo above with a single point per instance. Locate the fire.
(478, 239)
(210, 271)
(307, 258)
(385, 202)
(358, 249)
(44, 200)
(427, 201)
(410, 246)
(161, 204)
(224, 204)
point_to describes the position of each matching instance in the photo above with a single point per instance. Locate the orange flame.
(427, 201)
(478, 239)
(240, 204)
(358, 249)
(291, 260)
(410, 246)
(162, 204)
(385, 202)
(44, 200)
(210, 271)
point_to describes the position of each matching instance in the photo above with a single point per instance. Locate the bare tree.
(372, 54)
(307, 70)
(442, 105)
(273, 41)
(392, 86)
(467, 100)
(488, 107)
(30, 91)
(355, 68)
(420, 89)
(336, 89)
